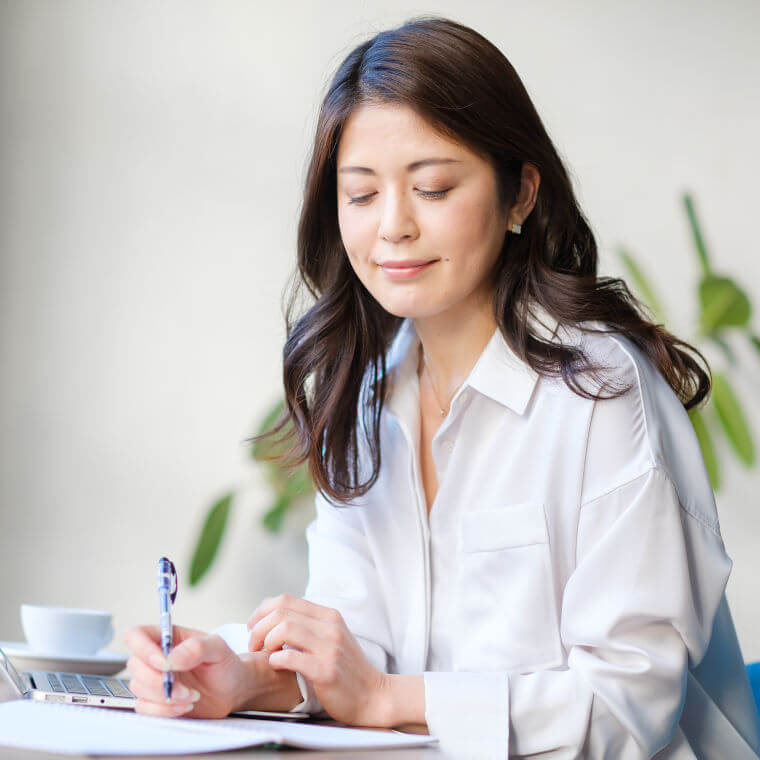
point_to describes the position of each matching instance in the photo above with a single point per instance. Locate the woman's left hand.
(321, 647)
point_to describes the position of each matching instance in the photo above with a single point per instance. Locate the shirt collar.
(498, 373)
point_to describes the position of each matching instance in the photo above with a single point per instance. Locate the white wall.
(152, 160)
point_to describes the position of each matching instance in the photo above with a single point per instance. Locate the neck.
(452, 343)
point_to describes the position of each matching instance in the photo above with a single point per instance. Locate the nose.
(397, 221)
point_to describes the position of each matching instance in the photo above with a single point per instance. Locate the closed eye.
(424, 193)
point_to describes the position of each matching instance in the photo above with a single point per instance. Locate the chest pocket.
(505, 611)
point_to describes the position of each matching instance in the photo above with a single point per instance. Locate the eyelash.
(433, 195)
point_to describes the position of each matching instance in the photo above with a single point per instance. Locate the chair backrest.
(753, 671)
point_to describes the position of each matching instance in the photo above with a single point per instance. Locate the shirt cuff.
(310, 702)
(305, 697)
(469, 712)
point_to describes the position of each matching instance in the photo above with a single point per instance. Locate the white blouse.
(566, 594)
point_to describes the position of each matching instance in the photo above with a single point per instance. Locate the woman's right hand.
(210, 680)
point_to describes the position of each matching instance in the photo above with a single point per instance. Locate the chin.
(405, 300)
(405, 310)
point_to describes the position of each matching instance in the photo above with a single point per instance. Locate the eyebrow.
(410, 167)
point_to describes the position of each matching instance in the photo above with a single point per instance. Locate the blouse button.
(448, 445)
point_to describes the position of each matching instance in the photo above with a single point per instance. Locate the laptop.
(84, 689)
(54, 686)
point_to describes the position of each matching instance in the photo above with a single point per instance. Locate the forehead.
(390, 136)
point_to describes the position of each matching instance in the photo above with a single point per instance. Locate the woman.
(516, 541)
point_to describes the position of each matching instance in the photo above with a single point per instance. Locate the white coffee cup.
(65, 630)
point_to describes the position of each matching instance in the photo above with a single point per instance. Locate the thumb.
(207, 649)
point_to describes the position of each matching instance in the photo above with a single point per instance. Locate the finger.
(294, 635)
(144, 640)
(152, 691)
(295, 603)
(149, 684)
(260, 631)
(290, 602)
(138, 668)
(301, 662)
(146, 707)
(206, 649)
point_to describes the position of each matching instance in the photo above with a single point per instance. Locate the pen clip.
(175, 582)
(166, 567)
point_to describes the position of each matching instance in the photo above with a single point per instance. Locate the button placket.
(444, 439)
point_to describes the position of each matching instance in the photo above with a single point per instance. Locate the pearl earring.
(516, 228)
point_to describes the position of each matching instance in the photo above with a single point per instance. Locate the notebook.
(77, 729)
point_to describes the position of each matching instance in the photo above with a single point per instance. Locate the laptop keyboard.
(76, 684)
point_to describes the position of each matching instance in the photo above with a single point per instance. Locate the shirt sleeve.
(342, 575)
(310, 701)
(637, 613)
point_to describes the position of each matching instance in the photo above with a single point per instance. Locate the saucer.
(103, 663)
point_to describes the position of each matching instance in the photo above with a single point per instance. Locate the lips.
(405, 264)
(402, 270)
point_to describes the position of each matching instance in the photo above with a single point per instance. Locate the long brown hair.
(463, 86)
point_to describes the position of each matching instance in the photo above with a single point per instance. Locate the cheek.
(356, 237)
(358, 248)
(471, 236)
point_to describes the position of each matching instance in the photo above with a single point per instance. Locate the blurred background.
(152, 160)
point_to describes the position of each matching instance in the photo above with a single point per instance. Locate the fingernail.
(195, 695)
(181, 692)
(181, 710)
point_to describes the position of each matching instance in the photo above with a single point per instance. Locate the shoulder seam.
(652, 457)
(713, 528)
(587, 438)
(652, 460)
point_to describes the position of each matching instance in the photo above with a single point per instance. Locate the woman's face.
(442, 211)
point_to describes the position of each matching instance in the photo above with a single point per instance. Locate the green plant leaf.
(755, 341)
(642, 284)
(274, 516)
(706, 444)
(210, 537)
(699, 242)
(297, 486)
(275, 475)
(732, 419)
(261, 449)
(725, 347)
(300, 482)
(723, 304)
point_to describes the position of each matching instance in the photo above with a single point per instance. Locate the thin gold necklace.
(430, 378)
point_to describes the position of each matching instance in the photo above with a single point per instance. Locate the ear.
(530, 179)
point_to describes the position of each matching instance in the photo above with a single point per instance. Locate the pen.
(167, 593)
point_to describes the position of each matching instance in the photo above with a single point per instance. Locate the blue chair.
(753, 670)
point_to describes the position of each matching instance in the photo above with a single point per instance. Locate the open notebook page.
(76, 729)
